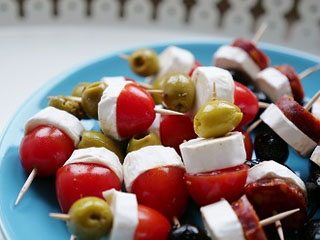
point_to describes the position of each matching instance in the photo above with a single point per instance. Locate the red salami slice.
(300, 117)
(271, 195)
(295, 84)
(249, 219)
(256, 54)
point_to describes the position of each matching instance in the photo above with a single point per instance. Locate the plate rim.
(60, 77)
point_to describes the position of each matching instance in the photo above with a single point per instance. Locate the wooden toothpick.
(26, 185)
(279, 227)
(60, 216)
(277, 217)
(260, 33)
(309, 71)
(263, 105)
(312, 100)
(253, 126)
(158, 91)
(167, 112)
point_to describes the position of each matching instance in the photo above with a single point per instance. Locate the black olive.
(311, 231)
(188, 232)
(251, 163)
(241, 77)
(269, 146)
(313, 185)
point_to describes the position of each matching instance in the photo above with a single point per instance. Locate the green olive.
(79, 89)
(157, 84)
(97, 139)
(90, 218)
(68, 104)
(143, 140)
(144, 62)
(178, 92)
(91, 97)
(216, 118)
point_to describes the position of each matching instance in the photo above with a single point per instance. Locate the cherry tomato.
(152, 225)
(255, 53)
(163, 189)
(196, 64)
(78, 180)
(210, 187)
(135, 111)
(174, 129)
(247, 102)
(247, 144)
(46, 148)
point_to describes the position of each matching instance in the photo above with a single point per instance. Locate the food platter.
(30, 220)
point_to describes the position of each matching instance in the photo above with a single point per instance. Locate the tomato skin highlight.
(135, 111)
(152, 225)
(46, 148)
(248, 103)
(163, 189)
(210, 187)
(78, 180)
(174, 129)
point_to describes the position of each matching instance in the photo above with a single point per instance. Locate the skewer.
(279, 227)
(263, 105)
(167, 112)
(158, 91)
(260, 33)
(124, 56)
(26, 185)
(176, 222)
(264, 222)
(277, 217)
(307, 107)
(308, 71)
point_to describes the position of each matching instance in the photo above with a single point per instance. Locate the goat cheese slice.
(279, 123)
(272, 169)
(107, 107)
(174, 59)
(144, 159)
(204, 79)
(316, 109)
(315, 157)
(60, 119)
(275, 84)
(221, 221)
(204, 155)
(229, 57)
(124, 208)
(100, 156)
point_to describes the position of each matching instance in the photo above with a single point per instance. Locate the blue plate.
(29, 220)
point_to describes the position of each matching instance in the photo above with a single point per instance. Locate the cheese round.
(229, 57)
(204, 155)
(107, 107)
(221, 221)
(113, 80)
(60, 119)
(272, 169)
(137, 162)
(124, 208)
(273, 83)
(315, 157)
(100, 156)
(276, 120)
(316, 108)
(204, 79)
(174, 59)
(155, 126)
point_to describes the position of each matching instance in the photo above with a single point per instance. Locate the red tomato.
(163, 189)
(152, 225)
(46, 148)
(78, 180)
(247, 102)
(174, 129)
(255, 53)
(196, 64)
(210, 187)
(135, 111)
(247, 144)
